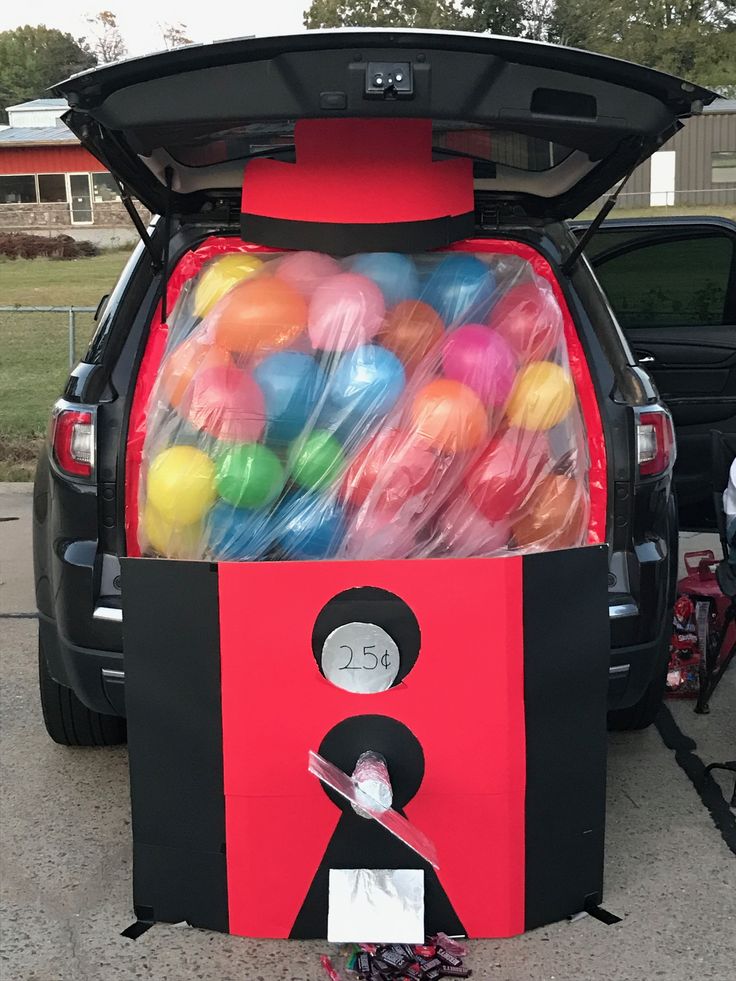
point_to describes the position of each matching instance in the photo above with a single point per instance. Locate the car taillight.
(73, 440)
(655, 442)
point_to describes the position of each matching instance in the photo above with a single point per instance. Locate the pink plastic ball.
(306, 270)
(462, 531)
(346, 310)
(481, 359)
(226, 403)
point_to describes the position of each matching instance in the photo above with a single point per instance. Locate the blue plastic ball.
(461, 289)
(238, 535)
(395, 273)
(367, 382)
(292, 383)
(310, 526)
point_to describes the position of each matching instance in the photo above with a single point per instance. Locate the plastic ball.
(449, 416)
(170, 540)
(461, 289)
(316, 460)
(377, 534)
(346, 310)
(529, 317)
(554, 516)
(292, 383)
(462, 531)
(393, 272)
(236, 534)
(181, 484)
(368, 381)
(226, 403)
(506, 472)
(249, 475)
(261, 314)
(180, 366)
(219, 276)
(390, 468)
(542, 396)
(310, 526)
(411, 330)
(306, 270)
(481, 359)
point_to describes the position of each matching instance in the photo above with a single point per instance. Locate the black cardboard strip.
(345, 238)
(566, 661)
(173, 701)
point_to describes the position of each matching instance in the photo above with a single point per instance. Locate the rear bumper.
(98, 677)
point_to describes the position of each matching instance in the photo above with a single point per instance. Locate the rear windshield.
(493, 146)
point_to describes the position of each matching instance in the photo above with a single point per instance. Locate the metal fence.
(71, 321)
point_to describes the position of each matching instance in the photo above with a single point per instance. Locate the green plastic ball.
(249, 475)
(316, 460)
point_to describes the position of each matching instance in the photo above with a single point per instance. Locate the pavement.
(66, 850)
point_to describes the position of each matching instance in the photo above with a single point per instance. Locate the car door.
(672, 285)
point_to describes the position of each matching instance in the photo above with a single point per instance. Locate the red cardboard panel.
(463, 700)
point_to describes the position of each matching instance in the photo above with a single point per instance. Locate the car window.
(675, 283)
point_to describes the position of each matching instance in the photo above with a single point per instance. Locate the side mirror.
(101, 306)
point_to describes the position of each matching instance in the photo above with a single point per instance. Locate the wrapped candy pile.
(379, 406)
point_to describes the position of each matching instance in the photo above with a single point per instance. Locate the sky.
(205, 20)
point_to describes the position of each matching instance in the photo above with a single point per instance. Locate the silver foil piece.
(376, 906)
(388, 818)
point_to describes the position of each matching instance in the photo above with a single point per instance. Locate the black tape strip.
(345, 238)
(707, 788)
(137, 929)
(604, 915)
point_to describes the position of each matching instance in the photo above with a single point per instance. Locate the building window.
(51, 188)
(104, 188)
(723, 164)
(17, 189)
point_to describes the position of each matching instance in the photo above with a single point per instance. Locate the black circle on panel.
(371, 604)
(401, 749)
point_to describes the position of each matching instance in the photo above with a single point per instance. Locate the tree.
(692, 38)
(33, 58)
(438, 14)
(174, 35)
(107, 41)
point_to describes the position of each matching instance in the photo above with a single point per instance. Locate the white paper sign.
(360, 657)
(376, 906)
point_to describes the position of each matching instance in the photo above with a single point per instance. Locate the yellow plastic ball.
(542, 396)
(172, 541)
(220, 276)
(181, 484)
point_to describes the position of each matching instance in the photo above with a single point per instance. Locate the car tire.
(68, 720)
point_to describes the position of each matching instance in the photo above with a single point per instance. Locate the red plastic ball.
(529, 318)
(391, 468)
(506, 473)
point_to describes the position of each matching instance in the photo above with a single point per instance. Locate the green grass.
(34, 346)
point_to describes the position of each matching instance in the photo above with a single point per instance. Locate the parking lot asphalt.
(66, 850)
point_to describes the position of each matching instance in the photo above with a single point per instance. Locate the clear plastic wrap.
(374, 407)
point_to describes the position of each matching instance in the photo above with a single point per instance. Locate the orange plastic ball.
(411, 330)
(449, 416)
(183, 363)
(259, 314)
(555, 514)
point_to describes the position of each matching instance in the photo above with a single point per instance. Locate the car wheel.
(68, 721)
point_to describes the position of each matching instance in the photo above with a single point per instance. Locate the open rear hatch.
(549, 128)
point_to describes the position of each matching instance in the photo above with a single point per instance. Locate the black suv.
(549, 130)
